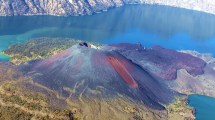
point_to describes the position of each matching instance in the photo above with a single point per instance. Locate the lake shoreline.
(201, 103)
(4, 57)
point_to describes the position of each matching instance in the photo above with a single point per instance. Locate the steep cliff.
(82, 7)
(55, 7)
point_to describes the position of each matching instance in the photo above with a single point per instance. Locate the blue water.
(4, 58)
(169, 27)
(205, 106)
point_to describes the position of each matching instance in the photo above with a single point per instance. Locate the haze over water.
(169, 27)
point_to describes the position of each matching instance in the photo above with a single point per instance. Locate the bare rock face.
(55, 7)
(82, 7)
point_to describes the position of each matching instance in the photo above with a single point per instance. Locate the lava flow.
(122, 71)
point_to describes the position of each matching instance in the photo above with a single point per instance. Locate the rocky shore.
(82, 7)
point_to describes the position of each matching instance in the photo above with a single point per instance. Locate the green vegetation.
(19, 105)
(14, 99)
(20, 102)
(178, 110)
(12, 113)
(39, 48)
(36, 96)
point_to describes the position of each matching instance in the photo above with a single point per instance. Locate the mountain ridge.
(88, 7)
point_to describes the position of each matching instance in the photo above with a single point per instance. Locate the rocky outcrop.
(203, 84)
(82, 7)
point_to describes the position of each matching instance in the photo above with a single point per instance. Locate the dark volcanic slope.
(110, 70)
(160, 62)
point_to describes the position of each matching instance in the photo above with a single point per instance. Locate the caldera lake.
(169, 27)
(204, 106)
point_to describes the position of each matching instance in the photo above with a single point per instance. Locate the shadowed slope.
(160, 62)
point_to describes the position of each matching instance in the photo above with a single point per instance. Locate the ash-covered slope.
(107, 72)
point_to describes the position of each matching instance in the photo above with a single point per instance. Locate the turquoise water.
(205, 106)
(169, 27)
(4, 58)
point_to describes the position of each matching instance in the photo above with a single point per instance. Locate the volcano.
(129, 70)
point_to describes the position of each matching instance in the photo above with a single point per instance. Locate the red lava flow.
(122, 71)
